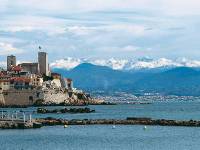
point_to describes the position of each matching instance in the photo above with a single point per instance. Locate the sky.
(92, 29)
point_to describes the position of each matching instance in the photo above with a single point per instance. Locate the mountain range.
(176, 80)
(128, 64)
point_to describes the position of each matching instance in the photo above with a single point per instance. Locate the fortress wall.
(29, 97)
(20, 97)
(2, 101)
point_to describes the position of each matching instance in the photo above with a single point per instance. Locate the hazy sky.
(100, 28)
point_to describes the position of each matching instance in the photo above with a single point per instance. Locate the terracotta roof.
(20, 79)
(4, 81)
(4, 76)
(16, 68)
(3, 73)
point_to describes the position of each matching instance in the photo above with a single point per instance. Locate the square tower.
(11, 62)
(43, 63)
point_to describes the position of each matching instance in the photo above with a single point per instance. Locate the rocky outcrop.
(65, 110)
(68, 99)
(19, 125)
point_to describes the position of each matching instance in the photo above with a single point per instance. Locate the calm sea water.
(103, 137)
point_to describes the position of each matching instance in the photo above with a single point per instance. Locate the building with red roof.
(16, 69)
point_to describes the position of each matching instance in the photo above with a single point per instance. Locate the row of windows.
(5, 83)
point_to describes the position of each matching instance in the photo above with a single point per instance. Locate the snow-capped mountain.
(127, 65)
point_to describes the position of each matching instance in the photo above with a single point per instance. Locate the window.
(31, 98)
(38, 95)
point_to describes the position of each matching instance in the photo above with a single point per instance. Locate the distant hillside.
(88, 76)
(178, 81)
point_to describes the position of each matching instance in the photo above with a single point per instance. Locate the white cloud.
(132, 29)
(177, 7)
(130, 48)
(7, 49)
(29, 23)
(3, 64)
(80, 30)
(68, 63)
(173, 7)
(93, 27)
(60, 6)
(181, 7)
(137, 30)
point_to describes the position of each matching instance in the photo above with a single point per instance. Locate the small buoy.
(65, 126)
(145, 127)
(113, 127)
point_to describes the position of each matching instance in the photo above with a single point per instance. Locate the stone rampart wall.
(20, 97)
(49, 96)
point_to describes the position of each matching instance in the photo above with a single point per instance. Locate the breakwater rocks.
(19, 125)
(38, 123)
(129, 121)
(65, 110)
(103, 103)
(40, 103)
(13, 106)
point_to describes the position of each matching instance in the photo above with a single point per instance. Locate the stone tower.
(43, 63)
(11, 61)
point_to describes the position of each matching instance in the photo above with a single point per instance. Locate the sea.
(105, 137)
